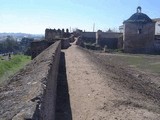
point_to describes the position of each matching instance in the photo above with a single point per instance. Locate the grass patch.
(143, 62)
(10, 67)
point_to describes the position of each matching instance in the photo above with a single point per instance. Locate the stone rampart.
(31, 93)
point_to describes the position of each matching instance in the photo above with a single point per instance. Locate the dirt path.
(99, 91)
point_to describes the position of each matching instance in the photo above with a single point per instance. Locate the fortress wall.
(31, 93)
(49, 96)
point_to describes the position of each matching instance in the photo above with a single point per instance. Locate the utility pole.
(93, 27)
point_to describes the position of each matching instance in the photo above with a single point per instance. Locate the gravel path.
(101, 91)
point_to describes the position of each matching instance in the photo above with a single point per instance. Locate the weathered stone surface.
(30, 94)
(139, 33)
(65, 43)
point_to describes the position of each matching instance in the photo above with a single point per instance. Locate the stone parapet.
(31, 93)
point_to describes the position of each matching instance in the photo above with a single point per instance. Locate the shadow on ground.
(63, 108)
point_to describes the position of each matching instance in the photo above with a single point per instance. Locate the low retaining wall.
(31, 93)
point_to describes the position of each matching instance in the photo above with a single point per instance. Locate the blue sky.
(33, 16)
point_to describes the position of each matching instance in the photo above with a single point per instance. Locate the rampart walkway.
(88, 86)
(97, 91)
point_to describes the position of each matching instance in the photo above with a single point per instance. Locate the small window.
(139, 31)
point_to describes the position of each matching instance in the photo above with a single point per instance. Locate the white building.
(157, 26)
(121, 28)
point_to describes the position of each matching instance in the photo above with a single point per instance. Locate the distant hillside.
(20, 35)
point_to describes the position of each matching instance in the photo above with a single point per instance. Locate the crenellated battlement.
(52, 34)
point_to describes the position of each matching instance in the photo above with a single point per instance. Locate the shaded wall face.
(112, 43)
(38, 47)
(50, 35)
(138, 38)
(88, 40)
(88, 37)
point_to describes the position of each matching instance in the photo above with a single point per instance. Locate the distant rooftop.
(156, 19)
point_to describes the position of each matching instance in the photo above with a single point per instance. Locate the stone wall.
(38, 46)
(52, 34)
(109, 39)
(31, 93)
(138, 43)
(88, 37)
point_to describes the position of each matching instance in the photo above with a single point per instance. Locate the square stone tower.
(139, 32)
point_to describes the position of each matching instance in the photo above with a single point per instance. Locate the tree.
(25, 44)
(9, 45)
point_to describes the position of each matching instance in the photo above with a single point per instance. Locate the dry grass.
(148, 63)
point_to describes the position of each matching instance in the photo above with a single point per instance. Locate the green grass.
(145, 63)
(10, 67)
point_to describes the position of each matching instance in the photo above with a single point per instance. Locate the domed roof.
(138, 17)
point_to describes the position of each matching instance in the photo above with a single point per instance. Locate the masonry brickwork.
(51, 36)
(139, 33)
(138, 42)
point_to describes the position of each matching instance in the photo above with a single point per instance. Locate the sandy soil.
(100, 90)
